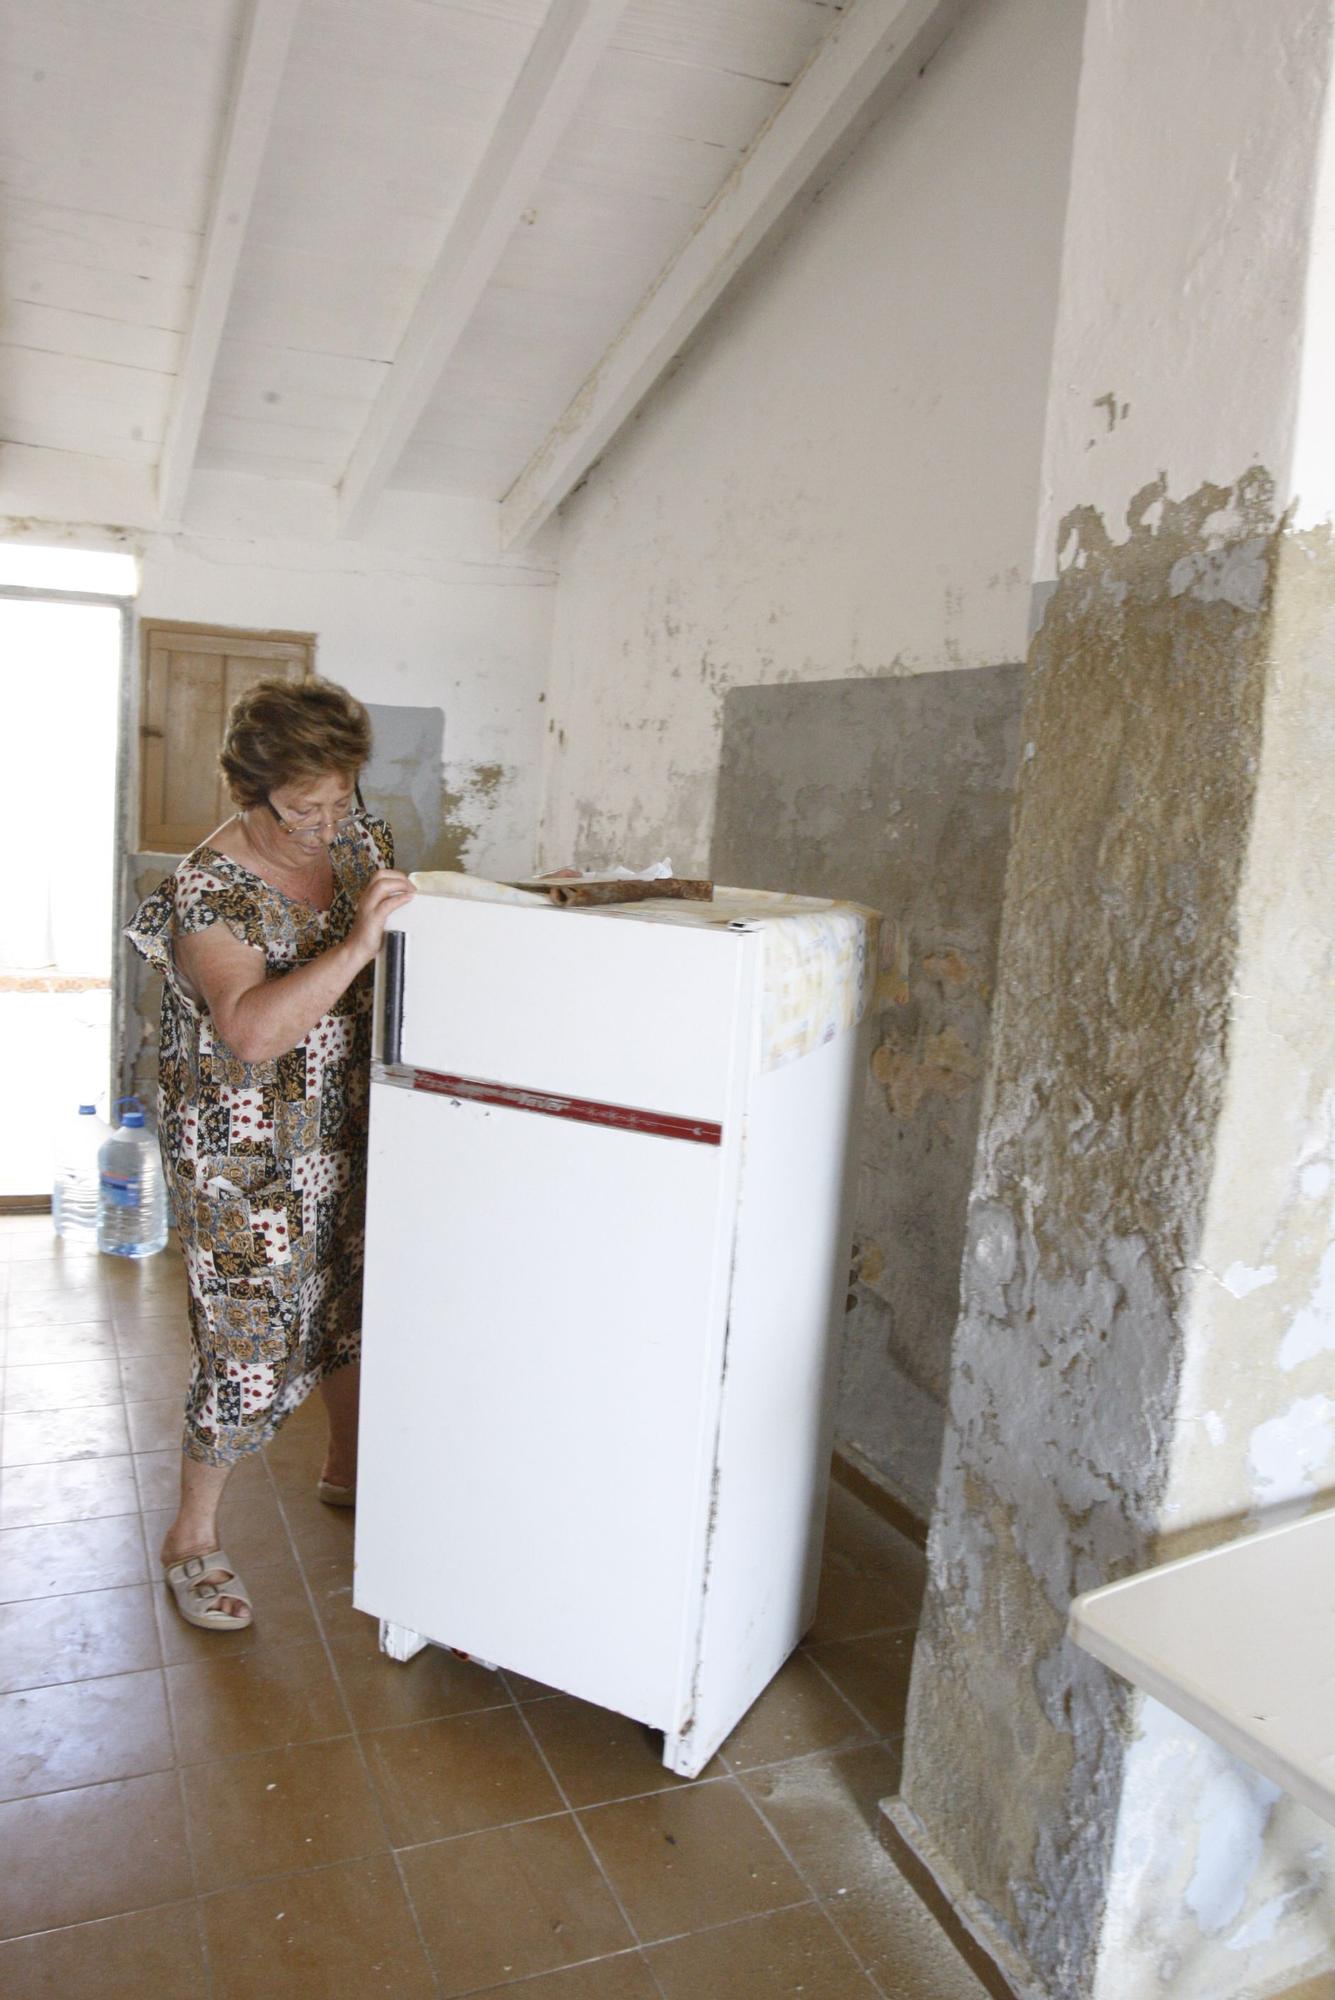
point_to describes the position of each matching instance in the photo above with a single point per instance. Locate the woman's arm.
(260, 1018)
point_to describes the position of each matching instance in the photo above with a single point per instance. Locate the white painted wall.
(1312, 480)
(1164, 323)
(842, 477)
(423, 612)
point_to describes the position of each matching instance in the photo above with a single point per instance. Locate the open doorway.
(61, 659)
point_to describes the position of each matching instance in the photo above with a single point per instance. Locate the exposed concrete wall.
(841, 478)
(1142, 1359)
(1109, 1054)
(1215, 1871)
(893, 792)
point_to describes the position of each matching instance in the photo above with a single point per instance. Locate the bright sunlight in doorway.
(62, 624)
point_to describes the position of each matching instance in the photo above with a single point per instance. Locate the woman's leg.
(340, 1390)
(194, 1532)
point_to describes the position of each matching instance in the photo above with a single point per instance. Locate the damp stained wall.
(1139, 1364)
(897, 793)
(840, 479)
(1243, 1877)
(1118, 948)
(1143, 1362)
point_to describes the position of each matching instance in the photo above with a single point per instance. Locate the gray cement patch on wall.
(403, 782)
(897, 793)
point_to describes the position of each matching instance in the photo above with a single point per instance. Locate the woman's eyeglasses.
(317, 820)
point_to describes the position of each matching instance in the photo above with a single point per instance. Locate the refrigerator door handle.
(391, 1025)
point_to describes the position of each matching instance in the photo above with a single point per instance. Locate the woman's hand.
(388, 890)
(259, 1017)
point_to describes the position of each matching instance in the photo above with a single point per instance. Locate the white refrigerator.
(608, 1231)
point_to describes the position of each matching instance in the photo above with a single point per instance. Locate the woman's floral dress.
(266, 1161)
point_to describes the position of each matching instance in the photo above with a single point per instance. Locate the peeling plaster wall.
(1257, 1414)
(1141, 1365)
(1183, 318)
(840, 479)
(1244, 1878)
(1118, 948)
(444, 637)
(897, 793)
(1143, 1356)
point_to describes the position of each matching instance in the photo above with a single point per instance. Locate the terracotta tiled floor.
(285, 1813)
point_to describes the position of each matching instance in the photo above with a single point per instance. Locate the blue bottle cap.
(134, 1119)
(87, 1111)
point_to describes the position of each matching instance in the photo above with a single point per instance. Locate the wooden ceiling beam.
(265, 42)
(568, 48)
(874, 49)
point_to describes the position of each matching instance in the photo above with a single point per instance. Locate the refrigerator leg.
(400, 1641)
(681, 1753)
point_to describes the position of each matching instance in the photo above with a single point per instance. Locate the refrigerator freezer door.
(536, 1410)
(635, 1014)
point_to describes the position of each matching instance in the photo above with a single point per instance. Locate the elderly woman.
(265, 935)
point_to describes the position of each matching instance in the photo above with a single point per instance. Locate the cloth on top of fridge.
(473, 888)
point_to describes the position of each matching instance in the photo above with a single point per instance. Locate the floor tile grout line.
(732, 1923)
(830, 1904)
(201, 1928)
(831, 1908)
(593, 1853)
(642, 1951)
(803, 1877)
(271, 1875)
(93, 1785)
(891, 1738)
(576, 1965)
(870, 1632)
(153, 1581)
(745, 1771)
(502, 1826)
(269, 1750)
(108, 1917)
(847, 1698)
(71, 1520)
(358, 1745)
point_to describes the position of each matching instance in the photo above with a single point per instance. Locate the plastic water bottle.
(132, 1200)
(74, 1192)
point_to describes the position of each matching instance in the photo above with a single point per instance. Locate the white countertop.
(1241, 1641)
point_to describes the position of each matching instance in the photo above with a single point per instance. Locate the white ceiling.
(371, 242)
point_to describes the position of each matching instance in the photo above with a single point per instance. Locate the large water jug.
(132, 1199)
(74, 1190)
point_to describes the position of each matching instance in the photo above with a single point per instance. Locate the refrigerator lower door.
(537, 1420)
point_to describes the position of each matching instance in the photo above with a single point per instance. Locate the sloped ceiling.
(360, 243)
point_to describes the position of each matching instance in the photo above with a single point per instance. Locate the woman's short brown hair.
(279, 731)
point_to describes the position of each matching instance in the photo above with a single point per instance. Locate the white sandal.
(197, 1600)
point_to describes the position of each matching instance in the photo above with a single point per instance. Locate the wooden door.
(191, 676)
